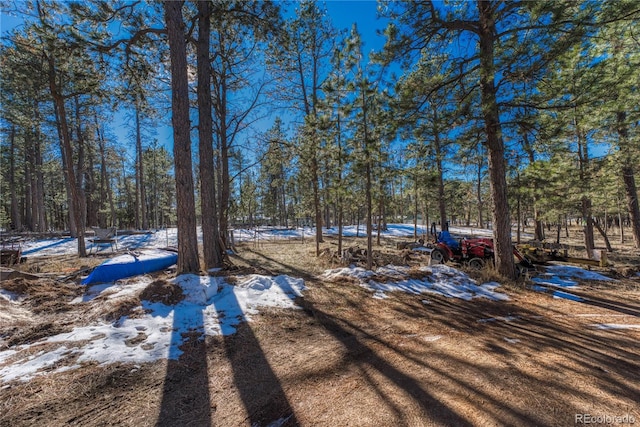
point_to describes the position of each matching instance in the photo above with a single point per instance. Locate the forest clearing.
(367, 213)
(286, 338)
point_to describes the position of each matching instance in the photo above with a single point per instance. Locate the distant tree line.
(485, 113)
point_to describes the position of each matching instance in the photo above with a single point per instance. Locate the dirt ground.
(347, 359)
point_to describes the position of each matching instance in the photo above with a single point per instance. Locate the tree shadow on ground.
(515, 336)
(523, 354)
(185, 394)
(260, 390)
(632, 309)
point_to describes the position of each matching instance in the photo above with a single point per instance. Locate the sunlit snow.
(211, 306)
(438, 279)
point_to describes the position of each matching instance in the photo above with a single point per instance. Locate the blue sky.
(342, 13)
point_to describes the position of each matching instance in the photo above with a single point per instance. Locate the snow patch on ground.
(499, 319)
(613, 326)
(569, 271)
(169, 237)
(211, 306)
(438, 279)
(26, 368)
(548, 279)
(9, 296)
(564, 277)
(119, 289)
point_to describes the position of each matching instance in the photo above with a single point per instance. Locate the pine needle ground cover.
(344, 349)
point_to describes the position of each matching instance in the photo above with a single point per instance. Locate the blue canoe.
(129, 265)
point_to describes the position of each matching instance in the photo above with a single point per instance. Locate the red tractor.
(473, 252)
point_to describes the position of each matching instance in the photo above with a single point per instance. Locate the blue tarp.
(129, 265)
(446, 238)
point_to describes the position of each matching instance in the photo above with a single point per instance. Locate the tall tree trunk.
(538, 232)
(225, 192)
(497, 166)
(80, 168)
(630, 188)
(16, 217)
(327, 210)
(73, 229)
(154, 189)
(589, 240)
(138, 181)
(367, 153)
(415, 207)
(583, 159)
(621, 227)
(225, 181)
(519, 218)
(480, 202)
(141, 195)
(188, 261)
(339, 183)
(66, 149)
(92, 197)
(631, 192)
(442, 206)
(28, 181)
(39, 175)
(316, 197)
(105, 184)
(211, 244)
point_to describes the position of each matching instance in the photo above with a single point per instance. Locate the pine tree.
(211, 243)
(299, 59)
(497, 58)
(618, 87)
(188, 261)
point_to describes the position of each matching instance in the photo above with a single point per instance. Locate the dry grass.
(162, 291)
(59, 265)
(43, 295)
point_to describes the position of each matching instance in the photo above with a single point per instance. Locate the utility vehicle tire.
(476, 263)
(437, 256)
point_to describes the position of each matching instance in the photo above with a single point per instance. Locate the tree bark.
(603, 233)
(630, 188)
(211, 244)
(105, 183)
(28, 181)
(80, 169)
(16, 217)
(339, 183)
(225, 191)
(188, 261)
(138, 181)
(583, 160)
(38, 202)
(316, 198)
(67, 154)
(538, 227)
(503, 246)
(631, 192)
(442, 206)
(415, 207)
(368, 184)
(73, 229)
(480, 202)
